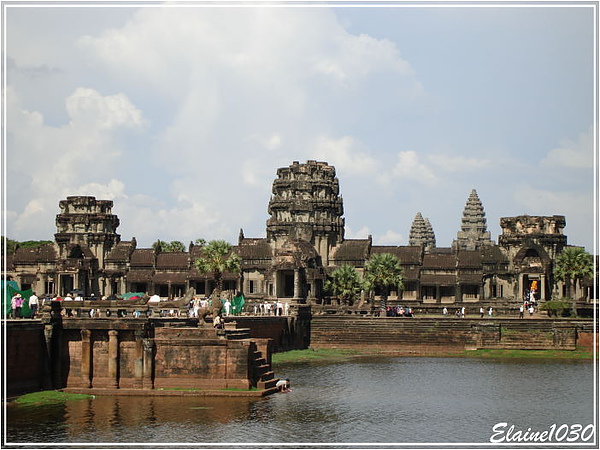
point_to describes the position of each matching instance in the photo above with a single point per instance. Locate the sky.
(182, 114)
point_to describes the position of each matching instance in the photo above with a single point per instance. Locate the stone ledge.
(170, 392)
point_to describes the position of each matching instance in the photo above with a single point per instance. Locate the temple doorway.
(286, 284)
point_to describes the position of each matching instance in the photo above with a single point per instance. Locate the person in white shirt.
(34, 302)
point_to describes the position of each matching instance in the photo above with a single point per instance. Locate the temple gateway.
(304, 243)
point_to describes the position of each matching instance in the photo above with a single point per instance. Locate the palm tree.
(345, 283)
(217, 258)
(383, 270)
(571, 266)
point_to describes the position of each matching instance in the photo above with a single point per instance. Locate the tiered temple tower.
(306, 206)
(473, 233)
(86, 225)
(421, 233)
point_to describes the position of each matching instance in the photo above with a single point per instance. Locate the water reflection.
(370, 400)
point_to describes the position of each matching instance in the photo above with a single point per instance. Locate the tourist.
(531, 310)
(68, 310)
(13, 306)
(462, 312)
(481, 311)
(218, 322)
(490, 312)
(227, 306)
(33, 304)
(445, 311)
(78, 298)
(283, 385)
(521, 311)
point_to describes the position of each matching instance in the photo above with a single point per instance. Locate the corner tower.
(306, 205)
(421, 233)
(473, 232)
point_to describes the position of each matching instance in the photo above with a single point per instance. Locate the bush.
(558, 308)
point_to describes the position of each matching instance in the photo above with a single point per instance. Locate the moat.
(367, 400)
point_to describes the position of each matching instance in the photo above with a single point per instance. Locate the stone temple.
(304, 243)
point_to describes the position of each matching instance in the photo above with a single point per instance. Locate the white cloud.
(573, 154)
(448, 163)
(409, 167)
(390, 238)
(88, 109)
(77, 158)
(577, 207)
(362, 233)
(345, 154)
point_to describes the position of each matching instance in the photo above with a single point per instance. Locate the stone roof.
(140, 276)
(43, 253)
(469, 259)
(444, 280)
(258, 248)
(439, 261)
(410, 274)
(173, 260)
(470, 278)
(170, 277)
(410, 254)
(121, 252)
(352, 250)
(142, 257)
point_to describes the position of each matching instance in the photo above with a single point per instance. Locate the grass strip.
(341, 355)
(49, 398)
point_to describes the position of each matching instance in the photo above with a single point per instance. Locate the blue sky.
(182, 115)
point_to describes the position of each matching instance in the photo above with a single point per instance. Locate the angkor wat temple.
(304, 243)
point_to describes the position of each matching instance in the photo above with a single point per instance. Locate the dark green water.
(369, 400)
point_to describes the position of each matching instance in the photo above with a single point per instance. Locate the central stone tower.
(473, 233)
(306, 206)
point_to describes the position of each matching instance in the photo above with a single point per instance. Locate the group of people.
(526, 306)
(16, 305)
(276, 308)
(462, 312)
(399, 311)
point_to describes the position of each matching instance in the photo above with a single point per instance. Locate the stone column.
(148, 363)
(296, 283)
(86, 358)
(138, 365)
(48, 383)
(520, 288)
(113, 358)
(543, 287)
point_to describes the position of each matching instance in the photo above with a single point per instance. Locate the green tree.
(173, 246)
(571, 266)
(382, 271)
(11, 245)
(218, 257)
(176, 246)
(345, 283)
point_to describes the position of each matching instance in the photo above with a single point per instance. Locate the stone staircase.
(261, 372)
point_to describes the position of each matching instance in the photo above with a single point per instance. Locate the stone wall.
(25, 358)
(429, 336)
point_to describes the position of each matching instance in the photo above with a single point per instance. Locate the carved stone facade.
(304, 243)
